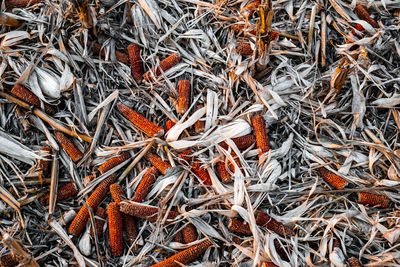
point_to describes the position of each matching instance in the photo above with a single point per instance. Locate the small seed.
(168, 125)
(186, 256)
(260, 131)
(69, 147)
(64, 192)
(201, 172)
(184, 96)
(374, 200)
(117, 193)
(145, 184)
(165, 65)
(139, 121)
(273, 225)
(363, 14)
(115, 229)
(100, 221)
(146, 212)
(29, 97)
(189, 233)
(332, 179)
(242, 142)
(238, 227)
(136, 62)
(113, 162)
(157, 162)
(353, 262)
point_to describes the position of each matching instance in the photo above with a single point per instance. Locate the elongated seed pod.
(199, 125)
(139, 121)
(273, 225)
(120, 56)
(269, 264)
(238, 227)
(242, 142)
(145, 184)
(100, 221)
(8, 261)
(130, 228)
(189, 233)
(113, 162)
(332, 179)
(260, 131)
(239, 28)
(184, 96)
(64, 192)
(157, 162)
(29, 97)
(353, 262)
(244, 49)
(115, 229)
(223, 172)
(186, 155)
(79, 223)
(186, 256)
(117, 193)
(136, 62)
(373, 200)
(168, 125)
(146, 212)
(21, 3)
(69, 147)
(201, 172)
(364, 15)
(44, 163)
(179, 237)
(165, 65)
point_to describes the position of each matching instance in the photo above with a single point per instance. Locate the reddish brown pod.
(242, 142)
(373, 200)
(260, 131)
(363, 14)
(273, 225)
(184, 96)
(115, 229)
(21, 3)
(146, 212)
(117, 193)
(223, 172)
(29, 97)
(79, 223)
(64, 192)
(186, 155)
(120, 56)
(179, 237)
(157, 162)
(250, 8)
(130, 227)
(186, 256)
(8, 261)
(201, 172)
(44, 163)
(238, 227)
(189, 233)
(69, 147)
(145, 184)
(168, 125)
(353, 262)
(332, 179)
(136, 62)
(99, 221)
(165, 65)
(244, 49)
(139, 121)
(113, 162)
(199, 125)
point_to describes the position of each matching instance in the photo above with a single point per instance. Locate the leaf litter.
(314, 82)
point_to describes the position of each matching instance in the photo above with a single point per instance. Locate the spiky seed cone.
(353, 262)
(242, 142)
(29, 97)
(136, 62)
(373, 200)
(115, 229)
(117, 193)
(146, 212)
(184, 96)
(100, 221)
(260, 131)
(168, 125)
(113, 162)
(44, 164)
(69, 147)
(332, 179)
(363, 14)
(244, 49)
(165, 65)
(157, 162)
(238, 227)
(201, 172)
(145, 184)
(273, 225)
(64, 192)
(189, 233)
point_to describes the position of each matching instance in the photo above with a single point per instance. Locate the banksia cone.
(130, 228)
(184, 96)
(21, 3)
(136, 62)
(364, 15)
(332, 179)
(64, 192)
(8, 261)
(29, 97)
(101, 214)
(69, 147)
(201, 172)
(374, 200)
(44, 164)
(353, 262)
(168, 125)
(189, 233)
(165, 65)
(115, 229)
(242, 142)
(186, 256)
(273, 225)
(113, 162)
(244, 49)
(117, 193)
(120, 56)
(146, 212)
(199, 125)
(157, 162)
(186, 155)
(260, 131)
(145, 184)
(79, 223)
(139, 121)
(238, 227)
(223, 172)
(179, 237)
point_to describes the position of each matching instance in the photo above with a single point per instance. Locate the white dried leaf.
(13, 37)
(11, 147)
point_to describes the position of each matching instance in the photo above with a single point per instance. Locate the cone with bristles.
(189, 233)
(115, 229)
(373, 200)
(117, 193)
(136, 62)
(64, 192)
(168, 125)
(186, 256)
(74, 153)
(186, 156)
(201, 172)
(363, 14)
(179, 237)
(157, 162)
(353, 262)
(238, 227)
(8, 261)
(332, 179)
(250, 8)
(223, 172)
(113, 162)
(99, 221)
(184, 96)
(145, 184)
(244, 49)
(165, 65)
(79, 223)
(139, 121)
(146, 212)
(29, 97)
(242, 142)
(273, 225)
(260, 132)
